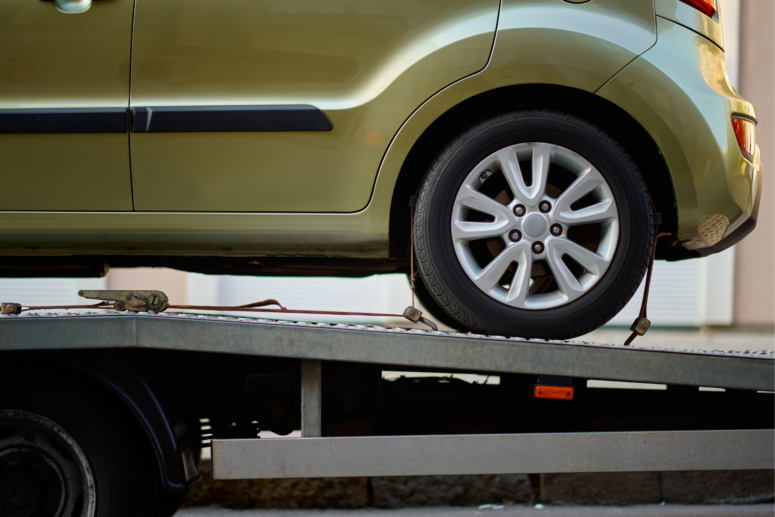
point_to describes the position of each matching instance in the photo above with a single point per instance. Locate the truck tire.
(533, 223)
(70, 448)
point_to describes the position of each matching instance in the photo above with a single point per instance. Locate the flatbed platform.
(619, 445)
(372, 344)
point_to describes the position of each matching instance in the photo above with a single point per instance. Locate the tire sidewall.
(623, 180)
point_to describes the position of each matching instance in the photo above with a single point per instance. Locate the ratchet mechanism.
(135, 301)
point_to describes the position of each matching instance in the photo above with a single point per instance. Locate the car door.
(64, 93)
(289, 106)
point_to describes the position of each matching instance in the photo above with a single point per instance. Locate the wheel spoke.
(568, 283)
(471, 231)
(587, 182)
(540, 161)
(512, 172)
(521, 282)
(473, 199)
(597, 213)
(589, 260)
(494, 271)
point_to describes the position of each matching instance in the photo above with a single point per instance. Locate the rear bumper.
(680, 93)
(748, 225)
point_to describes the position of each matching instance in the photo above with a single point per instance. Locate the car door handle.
(71, 6)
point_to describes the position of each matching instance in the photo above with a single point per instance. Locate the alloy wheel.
(535, 226)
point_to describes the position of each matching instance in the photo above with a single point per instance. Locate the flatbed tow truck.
(189, 381)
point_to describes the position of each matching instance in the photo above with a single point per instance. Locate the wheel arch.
(119, 376)
(593, 108)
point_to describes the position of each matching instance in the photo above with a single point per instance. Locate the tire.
(482, 184)
(435, 311)
(117, 472)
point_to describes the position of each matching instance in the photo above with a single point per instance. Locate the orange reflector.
(554, 392)
(745, 131)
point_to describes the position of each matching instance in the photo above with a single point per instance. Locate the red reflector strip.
(554, 392)
(745, 131)
(704, 6)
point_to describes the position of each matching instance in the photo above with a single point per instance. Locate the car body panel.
(677, 90)
(367, 64)
(553, 43)
(616, 32)
(688, 16)
(53, 60)
(358, 235)
(686, 102)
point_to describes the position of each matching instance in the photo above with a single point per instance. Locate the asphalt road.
(757, 510)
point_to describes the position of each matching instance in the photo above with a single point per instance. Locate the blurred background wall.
(754, 256)
(734, 289)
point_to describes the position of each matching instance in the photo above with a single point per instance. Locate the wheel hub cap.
(535, 225)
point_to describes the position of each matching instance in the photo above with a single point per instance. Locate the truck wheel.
(535, 224)
(72, 450)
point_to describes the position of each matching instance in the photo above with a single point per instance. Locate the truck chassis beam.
(492, 454)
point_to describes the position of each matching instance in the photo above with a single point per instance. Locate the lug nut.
(538, 248)
(556, 230)
(520, 210)
(544, 206)
(515, 235)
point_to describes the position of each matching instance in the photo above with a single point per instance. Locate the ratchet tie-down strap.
(642, 323)
(156, 301)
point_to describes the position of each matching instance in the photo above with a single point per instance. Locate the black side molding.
(229, 118)
(80, 120)
(165, 120)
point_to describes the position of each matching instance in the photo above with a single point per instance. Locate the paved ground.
(758, 510)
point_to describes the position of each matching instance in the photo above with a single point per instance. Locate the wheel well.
(597, 110)
(110, 373)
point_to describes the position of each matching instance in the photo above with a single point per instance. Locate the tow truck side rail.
(385, 346)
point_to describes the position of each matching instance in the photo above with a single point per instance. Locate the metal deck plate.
(395, 347)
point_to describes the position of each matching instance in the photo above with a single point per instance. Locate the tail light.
(745, 131)
(704, 6)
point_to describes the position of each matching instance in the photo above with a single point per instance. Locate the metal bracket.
(311, 398)
(10, 308)
(134, 301)
(414, 315)
(640, 326)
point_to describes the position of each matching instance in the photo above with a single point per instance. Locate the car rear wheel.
(533, 223)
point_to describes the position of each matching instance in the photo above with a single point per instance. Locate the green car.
(526, 153)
